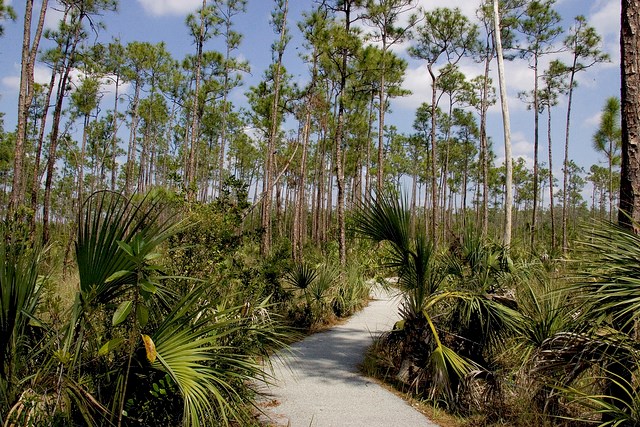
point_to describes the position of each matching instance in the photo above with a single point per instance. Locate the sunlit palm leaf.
(108, 221)
(609, 279)
(207, 371)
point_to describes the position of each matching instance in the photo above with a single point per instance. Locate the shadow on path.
(318, 384)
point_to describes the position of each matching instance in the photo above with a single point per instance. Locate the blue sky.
(163, 20)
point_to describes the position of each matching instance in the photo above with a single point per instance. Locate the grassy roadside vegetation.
(159, 312)
(163, 314)
(495, 336)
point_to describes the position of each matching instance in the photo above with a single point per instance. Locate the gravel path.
(319, 384)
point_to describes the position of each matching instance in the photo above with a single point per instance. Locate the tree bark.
(131, 150)
(68, 63)
(536, 143)
(195, 122)
(565, 171)
(434, 176)
(265, 246)
(506, 123)
(551, 199)
(25, 97)
(381, 111)
(484, 148)
(37, 176)
(629, 214)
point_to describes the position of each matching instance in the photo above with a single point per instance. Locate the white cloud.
(108, 86)
(418, 81)
(606, 17)
(467, 7)
(170, 7)
(521, 147)
(52, 18)
(12, 83)
(606, 20)
(41, 74)
(593, 120)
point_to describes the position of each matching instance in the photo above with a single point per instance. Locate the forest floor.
(318, 383)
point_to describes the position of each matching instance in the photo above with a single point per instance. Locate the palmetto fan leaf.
(192, 348)
(385, 218)
(421, 278)
(19, 297)
(109, 220)
(609, 278)
(301, 276)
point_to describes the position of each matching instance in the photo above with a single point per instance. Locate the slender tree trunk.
(434, 176)
(506, 123)
(265, 246)
(25, 97)
(83, 150)
(301, 204)
(114, 138)
(536, 142)
(484, 149)
(551, 200)
(37, 175)
(381, 111)
(131, 149)
(565, 172)
(69, 61)
(464, 187)
(367, 183)
(195, 122)
(223, 116)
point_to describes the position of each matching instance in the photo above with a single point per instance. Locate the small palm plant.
(486, 315)
(128, 328)
(422, 280)
(316, 286)
(606, 296)
(20, 291)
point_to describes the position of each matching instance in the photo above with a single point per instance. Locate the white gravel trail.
(319, 384)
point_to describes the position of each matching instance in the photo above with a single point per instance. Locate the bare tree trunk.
(83, 151)
(301, 203)
(25, 97)
(223, 119)
(565, 173)
(536, 124)
(484, 150)
(195, 123)
(367, 182)
(68, 61)
(381, 120)
(37, 175)
(551, 200)
(131, 149)
(114, 137)
(265, 246)
(434, 177)
(506, 123)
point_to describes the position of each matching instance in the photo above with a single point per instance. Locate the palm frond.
(609, 274)
(191, 347)
(108, 221)
(384, 218)
(20, 291)
(301, 276)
